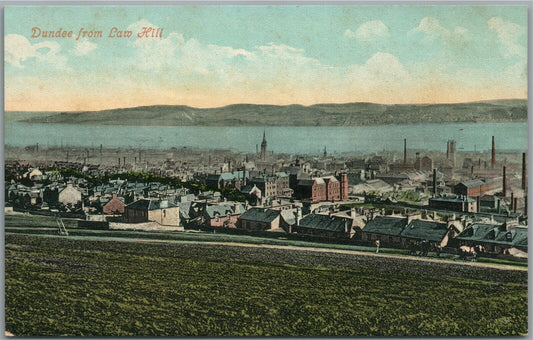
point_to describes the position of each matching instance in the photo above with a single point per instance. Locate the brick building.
(115, 206)
(454, 203)
(328, 188)
(313, 190)
(145, 210)
(478, 187)
(333, 188)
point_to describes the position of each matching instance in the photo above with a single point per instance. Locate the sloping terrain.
(350, 114)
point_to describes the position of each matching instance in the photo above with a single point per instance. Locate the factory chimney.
(434, 182)
(493, 153)
(405, 151)
(504, 181)
(524, 171)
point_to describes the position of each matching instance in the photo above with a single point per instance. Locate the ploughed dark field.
(60, 286)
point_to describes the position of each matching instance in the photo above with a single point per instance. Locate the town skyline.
(279, 55)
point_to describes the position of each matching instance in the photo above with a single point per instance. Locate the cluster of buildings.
(297, 195)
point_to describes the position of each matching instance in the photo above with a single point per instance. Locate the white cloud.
(369, 31)
(84, 47)
(137, 26)
(224, 63)
(460, 33)
(431, 29)
(283, 53)
(380, 68)
(18, 49)
(508, 34)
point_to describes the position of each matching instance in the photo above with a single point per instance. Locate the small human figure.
(377, 246)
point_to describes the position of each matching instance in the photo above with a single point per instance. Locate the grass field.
(61, 286)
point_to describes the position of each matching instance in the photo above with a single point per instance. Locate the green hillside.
(350, 114)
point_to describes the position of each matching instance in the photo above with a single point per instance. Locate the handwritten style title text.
(114, 32)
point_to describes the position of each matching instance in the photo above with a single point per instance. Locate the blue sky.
(218, 55)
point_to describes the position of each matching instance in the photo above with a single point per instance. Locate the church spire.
(264, 147)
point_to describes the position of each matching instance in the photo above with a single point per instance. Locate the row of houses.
(391, 231)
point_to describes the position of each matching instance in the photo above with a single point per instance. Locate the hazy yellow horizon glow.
(62, 104)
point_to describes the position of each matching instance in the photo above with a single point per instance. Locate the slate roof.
(185, 207)
(240, 209)
(425, 230)
(306, 182)
(325, 222)
(489, 233)
(319, 180)
(264, 179)
(386, 225)
(330, 179)
(260, 215)
(220, 210)
(289, 216)
(472, 183)
(145, 204)
(310, 182)
(248, 188)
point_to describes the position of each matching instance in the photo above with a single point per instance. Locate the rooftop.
(325, 222)
(146, 204)
(425, 230)
(386, 225)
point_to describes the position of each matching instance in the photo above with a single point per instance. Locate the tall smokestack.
(504, 181)
(524, 171)
(404, 151)
(434, 182)
(493, 152)
(512, 200)
(525, 205)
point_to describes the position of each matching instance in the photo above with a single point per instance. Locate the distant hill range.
(351, 114)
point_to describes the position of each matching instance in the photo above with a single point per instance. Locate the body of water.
(293, 140)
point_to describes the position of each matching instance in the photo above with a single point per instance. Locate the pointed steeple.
(264, 147)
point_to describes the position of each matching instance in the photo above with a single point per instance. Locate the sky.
(211, 56)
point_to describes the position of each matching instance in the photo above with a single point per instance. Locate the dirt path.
(361, 253)
(289, 247)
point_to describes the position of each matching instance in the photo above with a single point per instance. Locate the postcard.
(266, 170)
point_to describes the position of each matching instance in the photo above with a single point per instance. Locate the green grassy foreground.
(59, 286)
